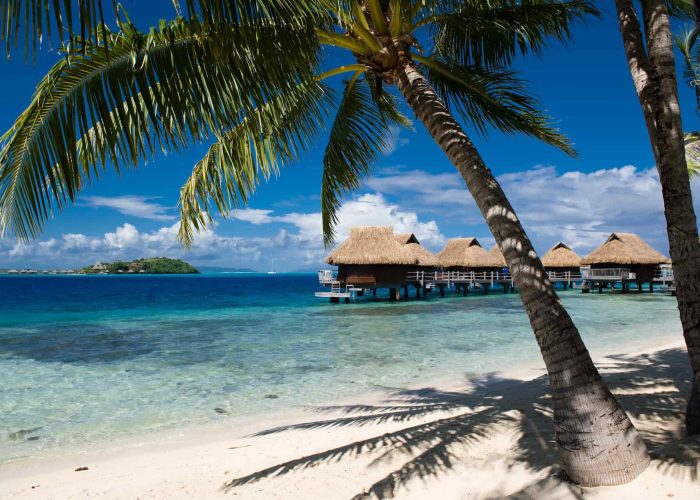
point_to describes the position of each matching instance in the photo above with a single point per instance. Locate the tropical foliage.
(120, 96)
(686, 42)
(153, 265)
(692, 152)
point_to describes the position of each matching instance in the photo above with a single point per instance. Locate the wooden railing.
(619, 273)
(447, 277)
(327, 277)
(664, 274)
(480, 277)
(330, 278)
(563, 276)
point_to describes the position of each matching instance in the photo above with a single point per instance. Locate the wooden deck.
(607, 275)
(610, 277)
(336, 296)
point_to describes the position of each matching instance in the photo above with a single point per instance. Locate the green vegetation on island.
(154, 265)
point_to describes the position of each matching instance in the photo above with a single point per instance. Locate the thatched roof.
(466, 252)
(561, 255)
(423, 255)
(405, 238)
(372, 245)
(624, 249)
(496, 252)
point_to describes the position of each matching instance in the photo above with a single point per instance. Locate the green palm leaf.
(360, 132)
(150, 92)
(683, 9)
(685, 42)
(692, 153)
(211, 73)
(491, 33)
(492, 97)
(36, 19)
(248, 12)
(272, 135)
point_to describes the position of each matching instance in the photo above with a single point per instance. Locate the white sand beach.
(488, 438)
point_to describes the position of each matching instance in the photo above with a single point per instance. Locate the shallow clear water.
(91, 358)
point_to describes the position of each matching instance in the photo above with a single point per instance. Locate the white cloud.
(128, 242)
(367, 209)
(252, 215)
(136, 206)
(373, 209)
(429, 190)
(395, 140)
(124, 237)
(300, 244)
(583, 208)
(579, 208)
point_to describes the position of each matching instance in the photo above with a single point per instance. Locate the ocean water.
(88, 359)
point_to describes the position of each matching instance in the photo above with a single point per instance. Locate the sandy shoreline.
(487, 437)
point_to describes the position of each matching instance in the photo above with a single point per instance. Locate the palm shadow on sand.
(652, 388)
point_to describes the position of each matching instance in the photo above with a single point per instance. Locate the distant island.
(154, 265)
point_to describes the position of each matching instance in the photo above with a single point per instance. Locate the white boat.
(272, 270)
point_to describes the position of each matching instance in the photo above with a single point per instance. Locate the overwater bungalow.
(562, 264)
(372, 257)
(466, 263)
(426, 263)
(467, 254)
(624, 258)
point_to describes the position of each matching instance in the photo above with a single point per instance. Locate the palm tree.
(247, 74)
(652, 67)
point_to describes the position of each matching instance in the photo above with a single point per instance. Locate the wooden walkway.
(450, 278)
(463, 281)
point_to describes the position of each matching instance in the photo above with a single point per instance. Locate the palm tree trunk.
(597, 442)
(638, 64)
(658, 96)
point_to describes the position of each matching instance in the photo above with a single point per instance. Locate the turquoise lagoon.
(89, 359)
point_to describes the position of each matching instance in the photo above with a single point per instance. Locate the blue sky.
(584, 85)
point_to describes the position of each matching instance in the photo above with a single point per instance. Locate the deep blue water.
(94, 358)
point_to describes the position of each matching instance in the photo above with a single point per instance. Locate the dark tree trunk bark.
(597, 442)
(654, 78)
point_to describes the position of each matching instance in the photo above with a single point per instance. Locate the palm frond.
(387, 104)
(265, 139)
(495, 98)
(35, 20)
(361, 131)
(685, 42)
(491, 33)
(692, 153)
(682, 9)
(150, 92)
(62, 20)
(250, 12)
